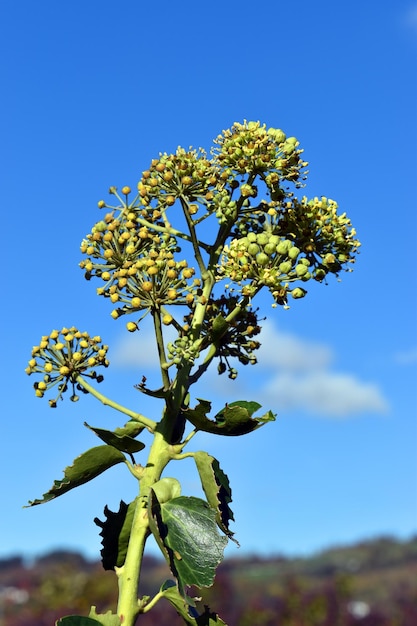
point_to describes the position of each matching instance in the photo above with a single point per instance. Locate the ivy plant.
(193, 247)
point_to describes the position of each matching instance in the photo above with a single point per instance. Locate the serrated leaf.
(233, 420)
(85, 467)
(122, 442)
(186, 530)
(216, 486)
(77, 620)
(115, 534)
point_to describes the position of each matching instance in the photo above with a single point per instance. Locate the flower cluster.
(300, 241)
(64, 355)
(250, 148)
(264, 259)
(327, 238)
(187, 174)
(232, 339)
(136, 264)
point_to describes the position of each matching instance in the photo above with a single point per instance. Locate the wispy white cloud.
(410, 17)
(324, 393)
(292, 374)
(406, 357)
(288, 352)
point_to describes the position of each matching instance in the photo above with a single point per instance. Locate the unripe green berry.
(301, 270)
(253, 249)
(270, 249)
(262, 238)
(285, 267)
(298, 292)
(293, 252)
(284, 246)
(262, 259)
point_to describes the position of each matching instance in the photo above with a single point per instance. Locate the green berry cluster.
(250, 148)
(183, 350)
(300, 240)
(264, 259)
(61, 357)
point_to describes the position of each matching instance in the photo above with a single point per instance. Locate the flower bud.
(284, 246)
(301, 270)
(298, 292)
(262, 259)
(293, 252)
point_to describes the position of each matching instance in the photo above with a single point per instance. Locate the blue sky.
(92, 91)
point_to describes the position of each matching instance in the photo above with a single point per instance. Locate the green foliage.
(148, 261)
(185, 529)
(87, 466)
(233, 420)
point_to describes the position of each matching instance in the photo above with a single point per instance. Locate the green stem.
(137, 417)
(128, 606)
(156, 315)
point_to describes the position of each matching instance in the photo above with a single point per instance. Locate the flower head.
(62, 357)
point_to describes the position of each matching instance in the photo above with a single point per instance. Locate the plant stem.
(128, 607)
(137, 417)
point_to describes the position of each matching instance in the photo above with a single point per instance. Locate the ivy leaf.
(77, 620)
(216, 486)
(185, 530)
(185, 607)
(115, 534)
(106, 619)
(85, 467)
(131, 428)
(233, 420)
(119, 440)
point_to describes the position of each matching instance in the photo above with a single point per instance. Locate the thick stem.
(128, 607)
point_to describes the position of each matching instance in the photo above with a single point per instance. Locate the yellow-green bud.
(298, 292)
(301, 270)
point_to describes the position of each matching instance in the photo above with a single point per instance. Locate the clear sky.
(91, 92)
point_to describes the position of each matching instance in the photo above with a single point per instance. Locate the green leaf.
(219, 328)
(77, 620)
(115, 534)
(216, 486)
(131, 428)
(122, 442)
(186, 531)
(233, 420)
(185, 607)
(107, 619)
(84, 468)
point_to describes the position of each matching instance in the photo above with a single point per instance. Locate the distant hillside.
(371, 583)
